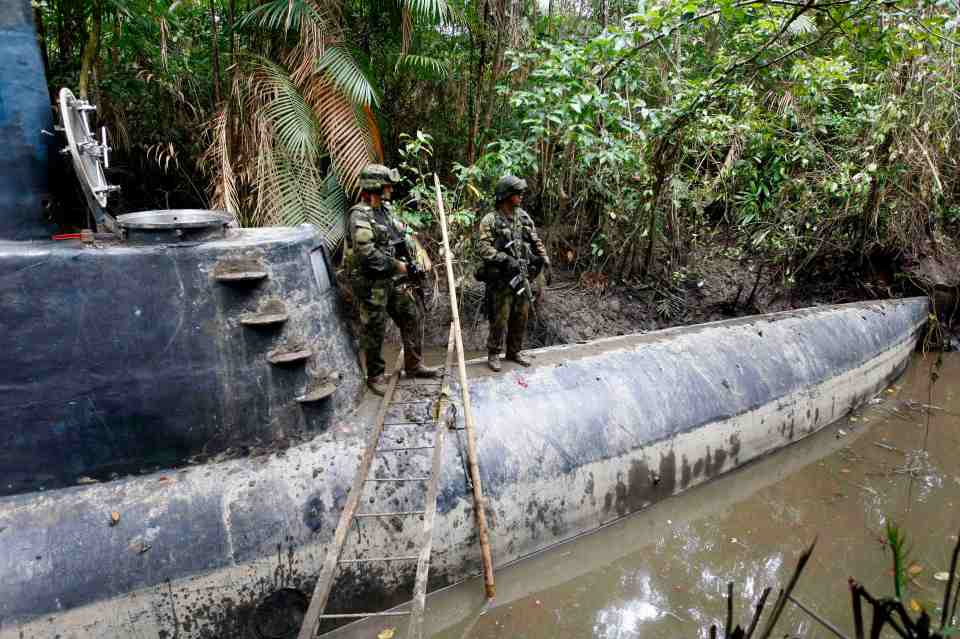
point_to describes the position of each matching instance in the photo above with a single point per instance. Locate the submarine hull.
(589, 434)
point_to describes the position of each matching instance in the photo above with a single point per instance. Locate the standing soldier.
(382, 261)
(513, 254)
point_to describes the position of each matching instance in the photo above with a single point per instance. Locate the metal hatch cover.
(89, 155)
(172, 225)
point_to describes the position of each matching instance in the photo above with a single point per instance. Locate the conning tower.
(172, 337)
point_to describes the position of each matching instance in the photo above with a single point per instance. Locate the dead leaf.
(387, 633)
(87, 480)
(845, 471)
(114, 518)
(915, 569)
(915, 606)
(941, 576)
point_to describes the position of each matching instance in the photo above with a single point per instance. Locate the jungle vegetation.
(799, 130)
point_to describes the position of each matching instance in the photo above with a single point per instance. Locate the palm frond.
(345, 129)
(282, 104)
(303, 195)
(433, 10)
(329, 217)
(342, 69)
(802, 24)
(423, 63)
(284, 15)
(225, 188)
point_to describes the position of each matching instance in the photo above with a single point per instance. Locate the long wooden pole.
(478, 501)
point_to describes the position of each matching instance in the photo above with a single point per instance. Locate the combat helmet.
(509, 185)
(374, 177)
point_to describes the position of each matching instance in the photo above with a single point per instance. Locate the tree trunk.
(868, 218)
(115, 45)
(475, 103)
(662, 164)
(231, 27)
(90, 51)
(63, 37)
(215, 53)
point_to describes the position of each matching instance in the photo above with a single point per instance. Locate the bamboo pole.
(478, 501)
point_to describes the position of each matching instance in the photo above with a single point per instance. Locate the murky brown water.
(663, 572)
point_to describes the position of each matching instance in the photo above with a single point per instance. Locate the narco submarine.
(181, 413)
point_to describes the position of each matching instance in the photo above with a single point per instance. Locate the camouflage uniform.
(379, 289)
(508, 311)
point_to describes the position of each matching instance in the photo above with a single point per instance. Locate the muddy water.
(663, 572)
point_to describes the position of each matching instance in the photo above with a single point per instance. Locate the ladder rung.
(363, 615)
(396, 514)
(426, 423)
(399, 479)
(417, 401)
(394, 450)
(362, 561)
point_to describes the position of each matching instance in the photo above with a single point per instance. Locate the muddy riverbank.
(717, 283)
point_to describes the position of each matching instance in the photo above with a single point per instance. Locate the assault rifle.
(520, 281)
(416, 275)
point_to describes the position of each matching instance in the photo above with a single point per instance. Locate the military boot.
(378, 385)
(425, 372)
(493, 361)
(519, 358)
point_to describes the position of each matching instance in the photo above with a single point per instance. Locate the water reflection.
(616, 622)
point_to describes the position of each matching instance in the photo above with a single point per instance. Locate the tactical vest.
(386, 234)
(516, 231)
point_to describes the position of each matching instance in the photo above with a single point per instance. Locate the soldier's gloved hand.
(401, 267)
(512, 264)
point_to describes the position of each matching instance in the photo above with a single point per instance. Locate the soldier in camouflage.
(376, 240)
(512, 254)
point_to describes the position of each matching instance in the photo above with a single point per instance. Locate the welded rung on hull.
(400, 513)
(372, 559)
(363, 615)
(429, 423)
(395, 450)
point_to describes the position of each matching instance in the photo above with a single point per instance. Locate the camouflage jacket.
(501, 236)
(372, 235)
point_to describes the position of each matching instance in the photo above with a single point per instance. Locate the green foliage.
(897, 543)
(641, 128)
(342, 68)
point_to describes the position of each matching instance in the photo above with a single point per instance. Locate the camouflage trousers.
(508, 313)
(377, 300)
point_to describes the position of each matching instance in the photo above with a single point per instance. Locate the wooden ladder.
(435, 422)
